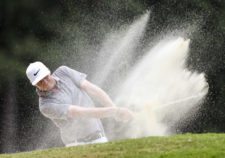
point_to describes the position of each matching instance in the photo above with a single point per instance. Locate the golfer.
(64, 97)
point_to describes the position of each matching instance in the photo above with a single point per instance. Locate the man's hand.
(123, 115)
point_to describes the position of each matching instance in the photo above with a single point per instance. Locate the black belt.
(91, 137)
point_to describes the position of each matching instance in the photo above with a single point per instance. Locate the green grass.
(178, 146)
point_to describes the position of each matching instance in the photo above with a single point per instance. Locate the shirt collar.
(56, 78)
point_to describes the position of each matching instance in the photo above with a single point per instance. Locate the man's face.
(44, 84)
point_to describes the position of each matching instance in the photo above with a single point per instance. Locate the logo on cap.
(36, 72)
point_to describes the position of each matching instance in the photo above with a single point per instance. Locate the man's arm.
(120, 114)
(98, 93)
(110, 110)
(103, 112)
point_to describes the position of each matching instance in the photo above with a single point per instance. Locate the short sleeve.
(54, 111)
(76, 76)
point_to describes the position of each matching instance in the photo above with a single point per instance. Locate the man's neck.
(52, 84)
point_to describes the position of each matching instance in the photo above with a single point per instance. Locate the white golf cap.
(37, 71)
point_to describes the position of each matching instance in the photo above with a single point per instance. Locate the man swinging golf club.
(64, 97)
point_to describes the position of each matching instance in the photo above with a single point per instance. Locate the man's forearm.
(99, 94)
(104, 98)
(103, 112)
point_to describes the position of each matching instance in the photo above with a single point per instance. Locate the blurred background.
(64, 32)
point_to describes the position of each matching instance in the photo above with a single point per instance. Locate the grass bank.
(178, 146)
